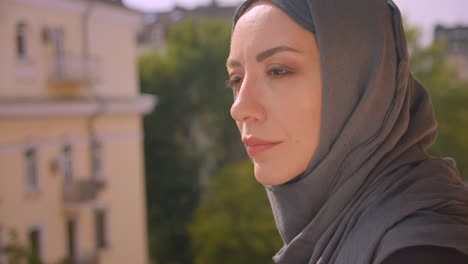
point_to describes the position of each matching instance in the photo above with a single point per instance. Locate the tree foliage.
(449, 95)
(190, 134)
(18, 253)
(234, 223)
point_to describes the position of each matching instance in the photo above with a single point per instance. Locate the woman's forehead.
(264, 26)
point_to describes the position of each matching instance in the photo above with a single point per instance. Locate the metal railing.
(70, 68)
(81, 191)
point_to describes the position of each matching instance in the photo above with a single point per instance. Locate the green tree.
(171, 185)
(15, 252)
(449, 95)
(190, 134)
(18, 253)
(234, 223)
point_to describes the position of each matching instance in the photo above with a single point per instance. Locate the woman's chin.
(272, 175)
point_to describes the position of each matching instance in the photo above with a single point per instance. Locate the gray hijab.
(371, 188)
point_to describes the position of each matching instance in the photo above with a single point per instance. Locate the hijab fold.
(371, 188)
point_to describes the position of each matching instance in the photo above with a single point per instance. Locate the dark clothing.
(427, 255)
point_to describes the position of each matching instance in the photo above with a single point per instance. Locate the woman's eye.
(278, 72)
(234, 84)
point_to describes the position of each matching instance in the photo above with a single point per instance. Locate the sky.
(422, 13)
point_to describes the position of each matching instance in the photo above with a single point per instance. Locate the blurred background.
(116, 143)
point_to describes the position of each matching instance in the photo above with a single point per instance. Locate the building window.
(2, 248)
(96, 159)
(59, 53)
(21, 40)
(67, 164)
(101, 228)
(31, 169)
(34, 237)
(71, 240)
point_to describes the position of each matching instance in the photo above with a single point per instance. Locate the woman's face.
(274, 68)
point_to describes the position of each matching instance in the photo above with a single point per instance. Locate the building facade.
(456, 39)
(153, 33)
(71, 152)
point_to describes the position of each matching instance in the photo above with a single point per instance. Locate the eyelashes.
(274, 72)
(234, 84)
(279, 71)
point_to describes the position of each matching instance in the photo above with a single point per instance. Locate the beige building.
(155, 26)
(71, 152)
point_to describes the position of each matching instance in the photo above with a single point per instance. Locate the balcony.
(71, 75)
(83, 258)
(80, 192)
(91, 258)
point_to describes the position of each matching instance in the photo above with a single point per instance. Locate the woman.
(338, 131)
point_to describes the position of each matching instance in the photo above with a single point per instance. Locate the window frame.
(97, 168)
(2, 247)
(101, 228)
(75, 246)
(67, 163)
(21, 40)
(40, 240)
(30, 156)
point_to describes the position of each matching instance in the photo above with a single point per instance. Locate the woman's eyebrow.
(232, 63)
(262, 55)
(270, 52)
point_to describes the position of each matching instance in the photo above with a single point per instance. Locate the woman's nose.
(248, 104)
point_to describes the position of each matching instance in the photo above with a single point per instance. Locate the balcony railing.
(81, 191)
(89, 259)
(72, 70)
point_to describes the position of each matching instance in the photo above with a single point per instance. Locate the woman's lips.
(255, 149)
(255, 146)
